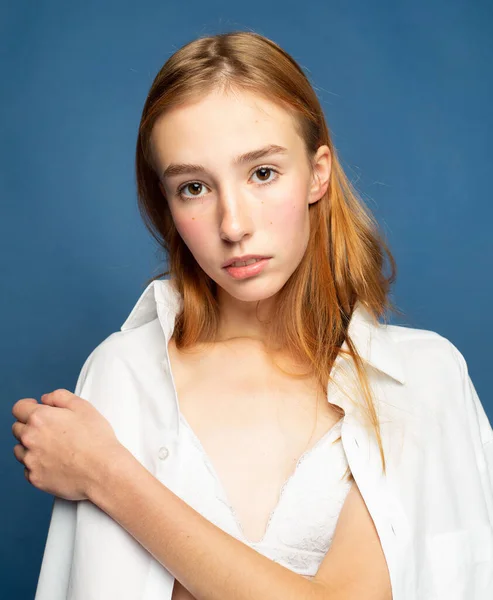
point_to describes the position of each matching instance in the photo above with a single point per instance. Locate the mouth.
(248, 268)
(244, 261)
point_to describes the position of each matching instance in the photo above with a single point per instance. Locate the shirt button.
(163, 453)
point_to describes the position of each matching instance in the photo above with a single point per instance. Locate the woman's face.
(222, 207)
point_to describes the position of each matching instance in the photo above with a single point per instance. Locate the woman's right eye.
(181, 189)
(190, 185)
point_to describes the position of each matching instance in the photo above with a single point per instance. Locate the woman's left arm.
(70, 450)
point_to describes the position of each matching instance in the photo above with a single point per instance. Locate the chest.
(253, 423)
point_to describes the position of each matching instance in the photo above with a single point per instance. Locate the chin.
(251, 290)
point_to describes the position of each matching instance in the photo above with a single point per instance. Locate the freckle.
(193, 218)
(271, 222)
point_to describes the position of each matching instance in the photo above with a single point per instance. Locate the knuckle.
(35, 418)
(15, 408)
(25, 438)
(18, 450)
(29, 460)
(33, 478)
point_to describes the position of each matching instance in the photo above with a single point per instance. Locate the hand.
(65, 444)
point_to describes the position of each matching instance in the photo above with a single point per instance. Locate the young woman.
(253, 430)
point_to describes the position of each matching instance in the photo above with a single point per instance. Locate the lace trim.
(222, 493)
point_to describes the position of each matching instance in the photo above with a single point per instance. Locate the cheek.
(289, 212)
(193, 231)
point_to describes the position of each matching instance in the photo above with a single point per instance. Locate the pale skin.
(70, 449)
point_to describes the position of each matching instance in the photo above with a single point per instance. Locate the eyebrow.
(183, 169)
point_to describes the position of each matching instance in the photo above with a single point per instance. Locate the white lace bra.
(301, 526)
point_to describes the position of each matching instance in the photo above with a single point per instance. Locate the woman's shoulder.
(123, 356)
(438, 379)
(143, 329)
(425, 351)
(434, 370)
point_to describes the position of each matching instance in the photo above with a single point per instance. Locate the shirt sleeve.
(482, 432)
(485, 432)
(56, 565)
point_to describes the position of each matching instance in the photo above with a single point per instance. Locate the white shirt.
(433, 511)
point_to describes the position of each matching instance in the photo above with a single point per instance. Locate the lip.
(249, 270)
(242, 258)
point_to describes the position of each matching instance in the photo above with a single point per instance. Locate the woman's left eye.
(263, 170)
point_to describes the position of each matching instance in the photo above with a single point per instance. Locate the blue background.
(406, 89)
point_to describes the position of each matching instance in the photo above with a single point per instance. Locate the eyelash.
(179, 191)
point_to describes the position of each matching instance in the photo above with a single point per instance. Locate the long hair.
(345, 256)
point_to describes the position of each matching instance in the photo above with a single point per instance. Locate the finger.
(60, 398)
(23, 408)
(20, 452)
(22, 402)
(17, 429)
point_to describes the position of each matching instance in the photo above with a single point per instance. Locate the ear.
(322, 163)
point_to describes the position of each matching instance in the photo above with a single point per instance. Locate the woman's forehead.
(228, 124)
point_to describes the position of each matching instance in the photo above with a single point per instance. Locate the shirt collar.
(372, 340)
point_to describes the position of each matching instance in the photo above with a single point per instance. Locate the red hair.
(345, 257)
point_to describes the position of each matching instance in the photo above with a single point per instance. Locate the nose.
(235, 216)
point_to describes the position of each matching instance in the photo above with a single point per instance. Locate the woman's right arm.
(56, 566)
